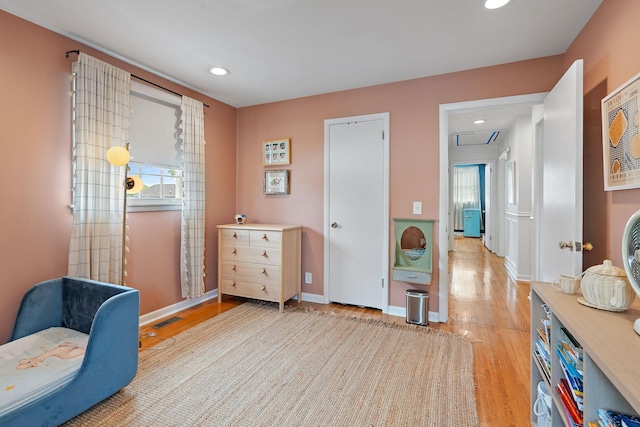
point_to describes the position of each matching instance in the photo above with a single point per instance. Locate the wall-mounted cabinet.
(413, 252)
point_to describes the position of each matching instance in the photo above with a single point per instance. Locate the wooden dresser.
(261, 261)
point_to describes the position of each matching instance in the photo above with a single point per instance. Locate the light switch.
(417, 208)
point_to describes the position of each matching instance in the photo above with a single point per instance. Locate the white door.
(560, 212)
(488, 216)
(357, 222)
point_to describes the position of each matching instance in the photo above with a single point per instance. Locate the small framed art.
(276, 181)
(621, 136)
(276, 152)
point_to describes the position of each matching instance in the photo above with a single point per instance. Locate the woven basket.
(606, 287)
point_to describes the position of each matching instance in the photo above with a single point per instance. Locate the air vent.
(166, 322)
(484, 137)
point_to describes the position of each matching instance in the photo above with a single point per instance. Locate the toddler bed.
(74, 343)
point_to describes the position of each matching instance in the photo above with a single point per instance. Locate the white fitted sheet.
(20, 386)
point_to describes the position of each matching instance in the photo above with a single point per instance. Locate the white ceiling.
(284, 49)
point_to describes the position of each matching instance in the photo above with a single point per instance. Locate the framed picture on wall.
(620, 138)
(510, 175)
(276, 181)
(276, 152)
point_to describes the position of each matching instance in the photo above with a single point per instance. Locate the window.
(161, 186)
(155, 146)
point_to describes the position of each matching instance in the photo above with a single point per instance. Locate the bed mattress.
(32, 366)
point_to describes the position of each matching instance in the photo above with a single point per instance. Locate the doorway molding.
(444, 217)
(385, 202)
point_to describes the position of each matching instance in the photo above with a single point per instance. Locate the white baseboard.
(145, 319)
(318, 299)
(174, 308)
(432, 316)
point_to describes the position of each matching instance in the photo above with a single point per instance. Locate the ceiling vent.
(483, 137)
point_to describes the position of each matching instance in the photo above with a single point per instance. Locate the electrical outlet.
(307, 278)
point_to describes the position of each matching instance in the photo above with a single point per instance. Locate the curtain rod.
(77, 52)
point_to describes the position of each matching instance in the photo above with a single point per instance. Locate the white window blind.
(155, 126)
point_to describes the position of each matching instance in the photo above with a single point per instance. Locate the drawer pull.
(263, 288)
(233, 268)
(234, 251)
(233, 283)
(264, 237)
(264, 253)
(234, 235)
(264, 271)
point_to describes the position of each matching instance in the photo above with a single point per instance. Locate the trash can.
(417, 307)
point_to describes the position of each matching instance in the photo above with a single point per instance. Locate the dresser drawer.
(238, 254)
(248, 288)
(234, 237)
(250, 271)
(265, 238)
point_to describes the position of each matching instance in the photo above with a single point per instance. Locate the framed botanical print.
(276, 181)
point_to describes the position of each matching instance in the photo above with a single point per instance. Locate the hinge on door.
(383, 135)
(382, 280)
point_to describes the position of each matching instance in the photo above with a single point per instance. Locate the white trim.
(318, 299)
(145, 319)
(385, 201)
(432, 316)
(443, 223)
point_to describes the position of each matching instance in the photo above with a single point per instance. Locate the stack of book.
(542, 352)
(570, 388)
(614, 419)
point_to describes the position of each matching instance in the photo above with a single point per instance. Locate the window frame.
(138, 204)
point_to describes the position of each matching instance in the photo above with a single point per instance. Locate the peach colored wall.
(414, 149)
(35, 220)
(608, 44)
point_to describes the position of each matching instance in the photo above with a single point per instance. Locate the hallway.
(492, 311)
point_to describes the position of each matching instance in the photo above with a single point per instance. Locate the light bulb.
(134, 184)
(118, 156)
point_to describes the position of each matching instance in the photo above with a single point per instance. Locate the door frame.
(444, 223)
(385, 202)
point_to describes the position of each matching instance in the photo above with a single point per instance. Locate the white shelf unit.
(611, 353)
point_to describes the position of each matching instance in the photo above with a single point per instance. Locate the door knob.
(584, 246)
(334, 225)
(577, 245)
(566, 245)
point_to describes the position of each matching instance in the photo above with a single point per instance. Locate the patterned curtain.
(466, 192)
(101, 120)
(192, 233)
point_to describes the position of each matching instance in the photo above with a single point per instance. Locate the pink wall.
(35, 220)
(414, 149)
(609, 45)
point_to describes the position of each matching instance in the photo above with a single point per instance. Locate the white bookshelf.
(611, 353)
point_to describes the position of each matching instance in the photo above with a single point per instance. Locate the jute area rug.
(252, 366)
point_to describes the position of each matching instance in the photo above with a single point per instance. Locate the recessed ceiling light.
(478, 122)
(494, 4)
(219, 71)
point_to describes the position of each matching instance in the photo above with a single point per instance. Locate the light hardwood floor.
(484, 305)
